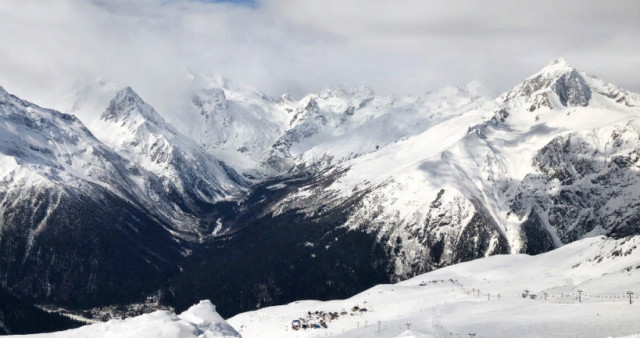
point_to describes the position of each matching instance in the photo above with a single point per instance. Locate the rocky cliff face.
(584, 184)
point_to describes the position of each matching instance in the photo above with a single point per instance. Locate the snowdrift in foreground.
(200, 320)
(498, 296)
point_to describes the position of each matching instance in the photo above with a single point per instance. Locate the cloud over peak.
(298, 46)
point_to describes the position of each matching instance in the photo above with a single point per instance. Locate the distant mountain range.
(258, 201)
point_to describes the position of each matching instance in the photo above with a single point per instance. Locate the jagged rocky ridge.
(340, 183)
(80, 223)
(192, 180)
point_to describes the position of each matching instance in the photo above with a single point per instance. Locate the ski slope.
(485, 297)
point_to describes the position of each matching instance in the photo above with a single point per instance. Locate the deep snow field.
(485, 297)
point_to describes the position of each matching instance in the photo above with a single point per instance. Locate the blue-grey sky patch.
(250, 3)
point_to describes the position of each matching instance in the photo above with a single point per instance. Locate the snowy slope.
(45, 146)
(396, 187)
(71, 204)
(199, 321)
(335, 125)
(187, 179)
(260, 136)
(190, 176)
(134, 129)
(485, 297)
(236, 123)
(411, 183)
(462, 188)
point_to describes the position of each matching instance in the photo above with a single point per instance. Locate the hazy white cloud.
(403, 46)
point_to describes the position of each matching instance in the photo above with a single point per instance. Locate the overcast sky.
(299, 46)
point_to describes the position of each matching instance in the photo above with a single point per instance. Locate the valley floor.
(579, 290)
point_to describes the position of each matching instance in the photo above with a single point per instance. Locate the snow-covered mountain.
(73, 224)
(547, 163)
(125, 212)
(542, 165)
(263, 136)
(192, 179)
(343, 123)
(236, 123)
(240, 194)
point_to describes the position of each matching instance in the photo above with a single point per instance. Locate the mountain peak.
(558, 77)
(126, 104)
(128, 94)
(284, 99)
(557, 67)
